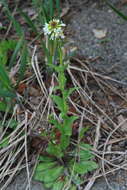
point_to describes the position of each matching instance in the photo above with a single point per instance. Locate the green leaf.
(16, 50)
(119, 13)
(58, 8)
(73, 187)
(45, 159)
(85, 146)
(85, 155)
(5, 93)
(60, 68)
(49, 185)
(39, 176)
(65, 141)
(3, 106)
(45, 16)
(67, 93)
(51, 9)
(4, 143)
(83, 130)
(12, 124)
(55, 150)
(56, 123)
(4, 77)
(77, 180)
(67, 124)
(12, 19)
(56, 88)
(53, 174)
(44, 166)
(58, 185)
(5, 46)
(59, 102)
(62, 80)
(29, 21)
(84, 167)
(23, 63)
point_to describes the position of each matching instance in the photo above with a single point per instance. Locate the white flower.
(54, 29)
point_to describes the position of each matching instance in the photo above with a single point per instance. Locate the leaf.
(56, 88)
(39, 176)
(67, 93)
(60, 68)
(5, 46)
(55, 150)
(62, 80)
(23, 63)
(73, 187)
(83, 130)
(11, 124)
(59, 102)
(119, 13)
(85, 155)
(3, 106)
(29, 21)
(16, 50)
(49, 185)
(12, 19)
(58, 8)
(56, 123)
(58, 185)
(45, 166)
(45, 17)
(85, 152)
(85, 146)
(51, 9)
(45, 159)
(53, 174)
(84, 167)
(77, 179)
(67, 124)
(5, 93)
(4, 77)
(65, 141)
(4, 143)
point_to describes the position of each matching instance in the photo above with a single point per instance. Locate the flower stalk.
(53, 32)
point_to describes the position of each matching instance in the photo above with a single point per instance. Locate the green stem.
(61, 73)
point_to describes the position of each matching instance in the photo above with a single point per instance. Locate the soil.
(109, 53)
(110, 50)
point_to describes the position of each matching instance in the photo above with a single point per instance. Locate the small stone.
(100, 33)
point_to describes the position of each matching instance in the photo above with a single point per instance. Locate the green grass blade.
(119, 13)
(17, 49)
(40, 8)
(51, 9)
(4, 79)
(23, 63)
(5, 93)
(29, 21)
(17, 26)
(45, 15)
(58, 7)
(3, 106)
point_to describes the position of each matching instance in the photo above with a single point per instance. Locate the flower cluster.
(54, 29)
